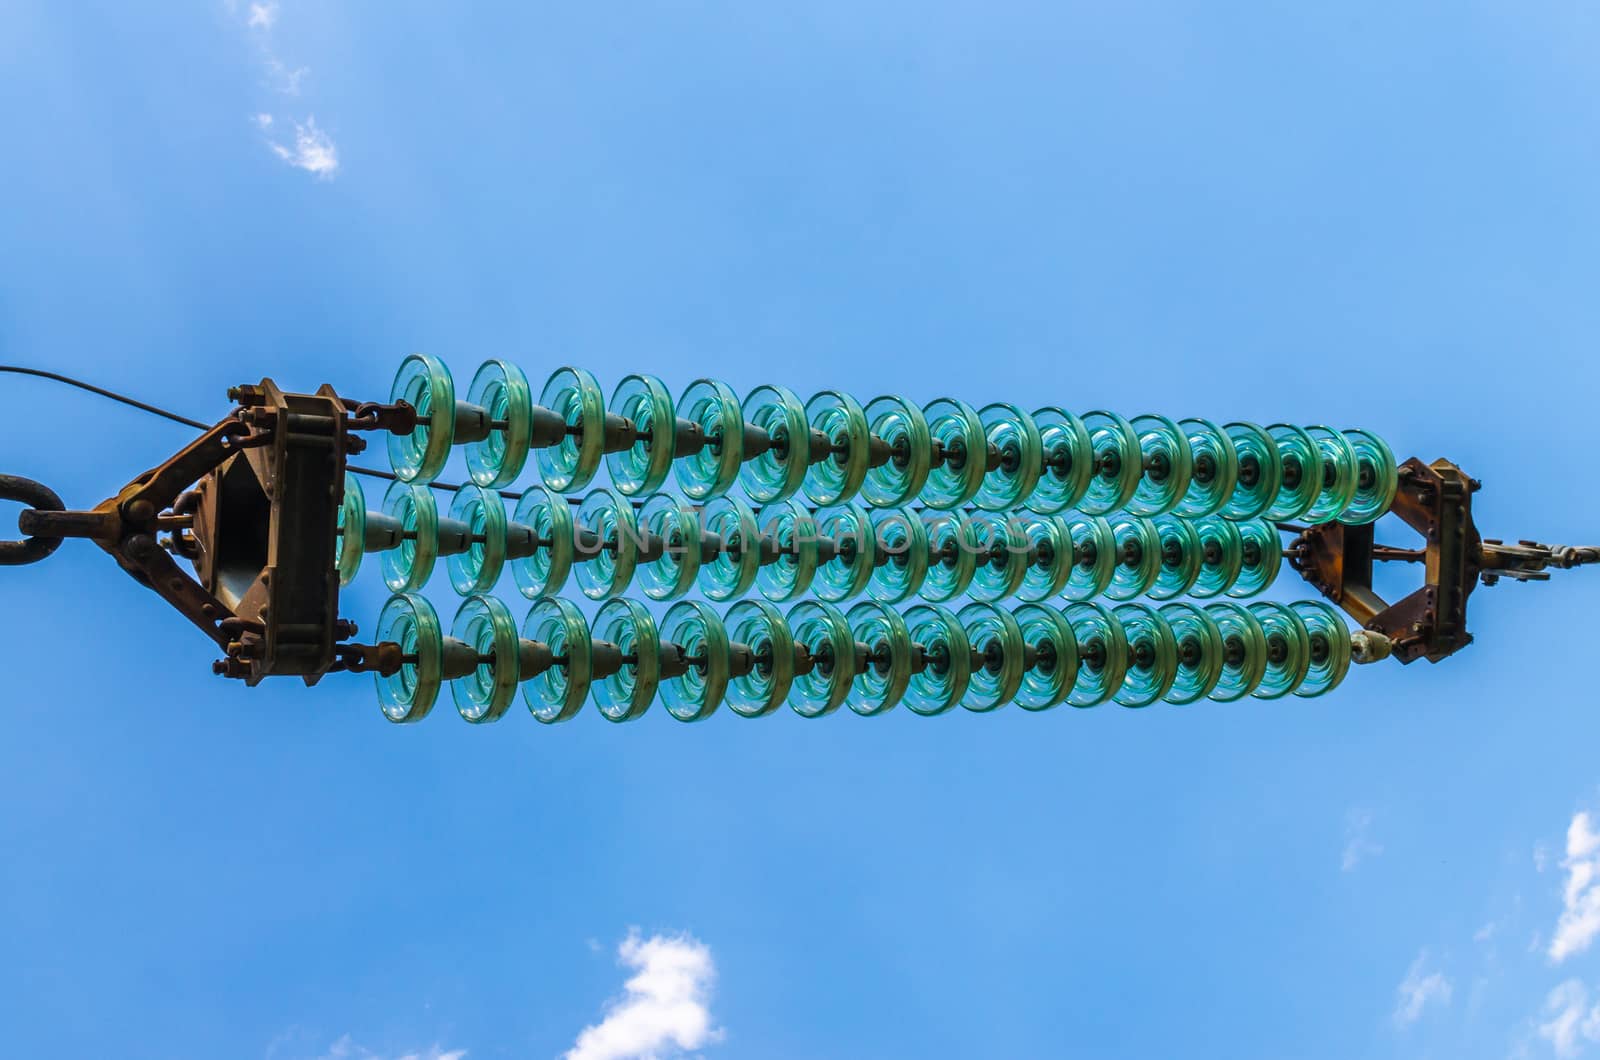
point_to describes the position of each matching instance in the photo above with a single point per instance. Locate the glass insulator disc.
(424, 383)
(1048, 636)
(1002, 560)
(549, 516)
(478, 568)
(669, 525)
(952, 556)
(1339, 475)
(1222, 557)
(410, 565)
(1260, 472)
(837, 478)
(1152, 656)
(1117, 463)
(996, 642)
(1067, 463)
(644, 465)
(350, 529)
(1016, 437)
(959, 432)
(1182, 556)
(846, 575)
(696, 693)
(1260, 557)
(558, 693)
(714, 469)
(1138, 554)
(1094, 557)
(502, 391)
(942, 683)
(882, 681)
(1299, 475)
(794, 533)
(1167, 466)
(606, 544)
(760, 627)
(904, 429)
(824, 633)
(1244, 651)
(411, 622)
(1199, 642)
(1329, 652)
(485, 625)
(733, 571)
(903, 552)
(1288, 649)
(1049, 543)
(778, 472)
(627, 694)
(1377, 478)
(1102, 654)
(569, 465)
(1216, 469)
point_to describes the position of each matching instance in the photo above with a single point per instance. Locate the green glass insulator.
(1068, 461)
(1199, 640)
(485, 625)
(1094, 557)
(1300, 472)
(881, 682)
(1260, 472)
(502, 391)
(569, 466)
(606, 544)
(1138, 557)
(780, 471)
(760, 627)
(1182, 557)
(698, 632)
(942, 683)
(714, 469)
(995, 637)
(411, 622)
(733, 571)
(1152, 656)
(1013, 435)
(410, 565)
(626, 694)
(643, 466)
(1050, 558)
(901, 426)
(1102, 654)
(1117, 462)
(1222, 557)
(952, 556)
(558, 693)
(1340, 475)
(424, 383)
(903, 552)
(350, 528)
(837, 478)
(1002, 557)
(847, 574)
(1261, 557)
(669, 526)
(549, 516)
(1167, 464)
(1288, 649)
(1216, 469)
(792, 528)
(1377, 478)
(1330, 647)
(1244, 651)
(478, 569)
(824, 633)
(959, 433)
(1047, 636)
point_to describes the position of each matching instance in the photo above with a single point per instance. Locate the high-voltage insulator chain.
(817, 658)
(727, 549)
(890, 453)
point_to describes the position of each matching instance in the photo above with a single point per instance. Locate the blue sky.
(1360, 214)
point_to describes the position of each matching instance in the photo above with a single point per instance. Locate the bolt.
(139, 510)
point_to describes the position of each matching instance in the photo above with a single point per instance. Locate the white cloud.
(263, 121)
(1572, 1021)
(1485, 933)
(313, 150)
(666, 1006)
(294, 1043)
(1417, 990)
(1580, 914)
(262, 16)
(1357, 847)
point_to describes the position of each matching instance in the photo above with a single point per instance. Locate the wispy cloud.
(312, 150)
(1357, 845)
(666, 1005)
(1571, 1021)
(262, 16)
(1580, 914)
(296, 1044)
(1419, 989)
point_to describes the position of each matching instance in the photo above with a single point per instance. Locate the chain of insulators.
(817, 658)
(890, 452)
(726, 550)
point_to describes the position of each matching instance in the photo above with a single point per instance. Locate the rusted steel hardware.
(1436, 501)
(253, 504)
